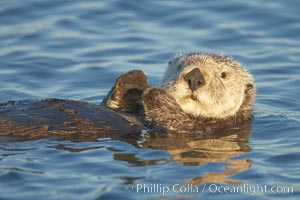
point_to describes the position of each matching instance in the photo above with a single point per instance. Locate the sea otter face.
(208, 86)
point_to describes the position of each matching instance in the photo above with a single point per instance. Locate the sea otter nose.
(194, 79)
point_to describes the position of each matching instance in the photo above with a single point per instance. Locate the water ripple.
(76, 50)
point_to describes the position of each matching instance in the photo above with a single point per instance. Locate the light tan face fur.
(221, 96)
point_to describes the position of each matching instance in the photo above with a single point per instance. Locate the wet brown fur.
(130, 106)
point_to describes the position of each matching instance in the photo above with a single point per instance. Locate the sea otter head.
(209, 86)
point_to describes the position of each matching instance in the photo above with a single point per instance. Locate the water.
(76, 49)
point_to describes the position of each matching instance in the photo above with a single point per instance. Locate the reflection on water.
(188, 150)
(193, 150)
(76, 50)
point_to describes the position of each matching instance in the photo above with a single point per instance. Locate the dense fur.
(227, 86)
(225, 100)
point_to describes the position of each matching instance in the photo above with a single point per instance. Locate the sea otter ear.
(126, 94)
(162, 111)
(249, 86)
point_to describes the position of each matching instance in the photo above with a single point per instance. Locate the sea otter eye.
(223, 75)
(170, 61)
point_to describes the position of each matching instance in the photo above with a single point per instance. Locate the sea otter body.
(199, 93)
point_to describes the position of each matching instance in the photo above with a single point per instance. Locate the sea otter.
(199, 93)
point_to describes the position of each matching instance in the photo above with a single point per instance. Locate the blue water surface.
(76, 49)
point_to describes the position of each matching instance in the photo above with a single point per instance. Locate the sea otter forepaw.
(154, 97)
(162, 110)
(127, 91)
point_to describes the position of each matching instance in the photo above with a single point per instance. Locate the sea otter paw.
(154, 98)
(127, 92)
(161, 109)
